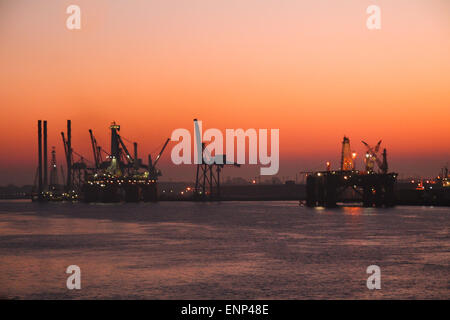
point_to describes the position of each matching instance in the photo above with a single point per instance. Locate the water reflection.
(240, 250)
(352, 211)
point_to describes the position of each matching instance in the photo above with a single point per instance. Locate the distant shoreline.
(399, 204)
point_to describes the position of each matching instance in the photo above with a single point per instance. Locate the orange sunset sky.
(310, 68)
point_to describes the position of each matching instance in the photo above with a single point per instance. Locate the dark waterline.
(229, 250)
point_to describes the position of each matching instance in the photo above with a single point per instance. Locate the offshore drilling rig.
(371, 188)
(121, 177)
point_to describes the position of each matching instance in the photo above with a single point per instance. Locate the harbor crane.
(372, 156)
(207, 180)
(152, 171)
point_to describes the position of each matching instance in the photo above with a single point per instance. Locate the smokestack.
(385, 163)
(40, 160)
(136, 164)
(69, 155)
(45, 155)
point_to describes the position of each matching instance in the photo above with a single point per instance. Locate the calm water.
(231, 250)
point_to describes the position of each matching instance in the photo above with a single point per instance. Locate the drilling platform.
(368, 187)
(122, 176)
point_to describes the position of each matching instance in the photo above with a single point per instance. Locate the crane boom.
(94, 149)
(377, 147)
(374, 153)
(161, 152)
(64, 143)
(129, 157)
